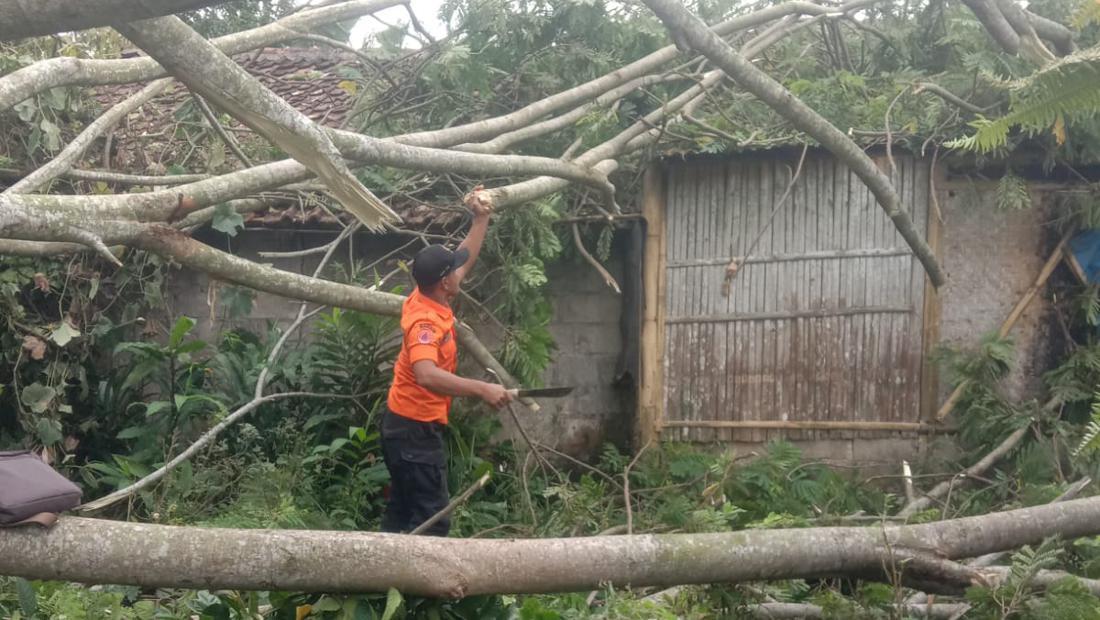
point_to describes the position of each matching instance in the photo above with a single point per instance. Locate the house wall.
(991, 258)
(585, 328)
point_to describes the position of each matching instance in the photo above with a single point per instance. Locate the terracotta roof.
(309, 78)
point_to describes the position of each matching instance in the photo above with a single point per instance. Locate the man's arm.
(482, 206)
(433, 378)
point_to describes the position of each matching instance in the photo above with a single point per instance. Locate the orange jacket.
(429, 334)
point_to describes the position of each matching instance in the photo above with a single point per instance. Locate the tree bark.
(31, 18)
(995, 24)
(46, 74)
(208, 72)
(685, 26)
(97, 551)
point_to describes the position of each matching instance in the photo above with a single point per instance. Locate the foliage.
(1015, 598)
(94, 368)
(1057, 95)
(519, 247)
(230, 17)
(1012, 193)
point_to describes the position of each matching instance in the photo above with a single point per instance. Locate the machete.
(553, 392)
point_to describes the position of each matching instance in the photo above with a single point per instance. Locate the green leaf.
(57, 98)
(28, 600)
(26, 110)
(191, 347)
(132, 432)
(180, 330)
(64, 334)
(52, 133)
(531, 274)
(393, 603)
(184, 403)
(49, 431)
(139, 373)
(327, 603)
(337, 444)
(38, 397)
(94, 289)
(227, 220)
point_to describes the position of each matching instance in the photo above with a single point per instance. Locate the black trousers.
(417, 463)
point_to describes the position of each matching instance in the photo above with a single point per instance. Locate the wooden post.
(651, 388)
(1014, 316)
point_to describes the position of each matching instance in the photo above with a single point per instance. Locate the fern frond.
(1090, 441)
(1068, 89)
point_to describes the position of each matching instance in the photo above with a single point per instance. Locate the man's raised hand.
(479, 201)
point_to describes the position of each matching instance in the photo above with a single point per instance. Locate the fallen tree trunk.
(97, 551)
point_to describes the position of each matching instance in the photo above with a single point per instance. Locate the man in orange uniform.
(424, 381)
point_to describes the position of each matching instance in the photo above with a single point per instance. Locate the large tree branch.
(96, 551)
(557, 123)
(41, 76)
(680, 21)
(1056, 33)
(1029, 40)
(31, 18)
(208, 72)
(71, 154)
(486, 129)
(995, 24)
(159, 205)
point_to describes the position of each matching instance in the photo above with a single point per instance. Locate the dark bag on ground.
(32, 492)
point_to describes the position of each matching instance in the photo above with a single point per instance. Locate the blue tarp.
(1086, 249)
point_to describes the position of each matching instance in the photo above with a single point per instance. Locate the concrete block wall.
(586, 331)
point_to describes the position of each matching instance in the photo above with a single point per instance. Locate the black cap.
(434, 262)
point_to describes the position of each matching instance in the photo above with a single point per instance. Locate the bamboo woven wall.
(823, 323)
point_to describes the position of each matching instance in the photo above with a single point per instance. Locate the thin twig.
(527, 490)
(417, 25)
(950, 97)
(227, 138)
(626, 489)
(731, 269)
(580, 464)
(607, 277)
(889, 134)
(523, 431)
(455, 503)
